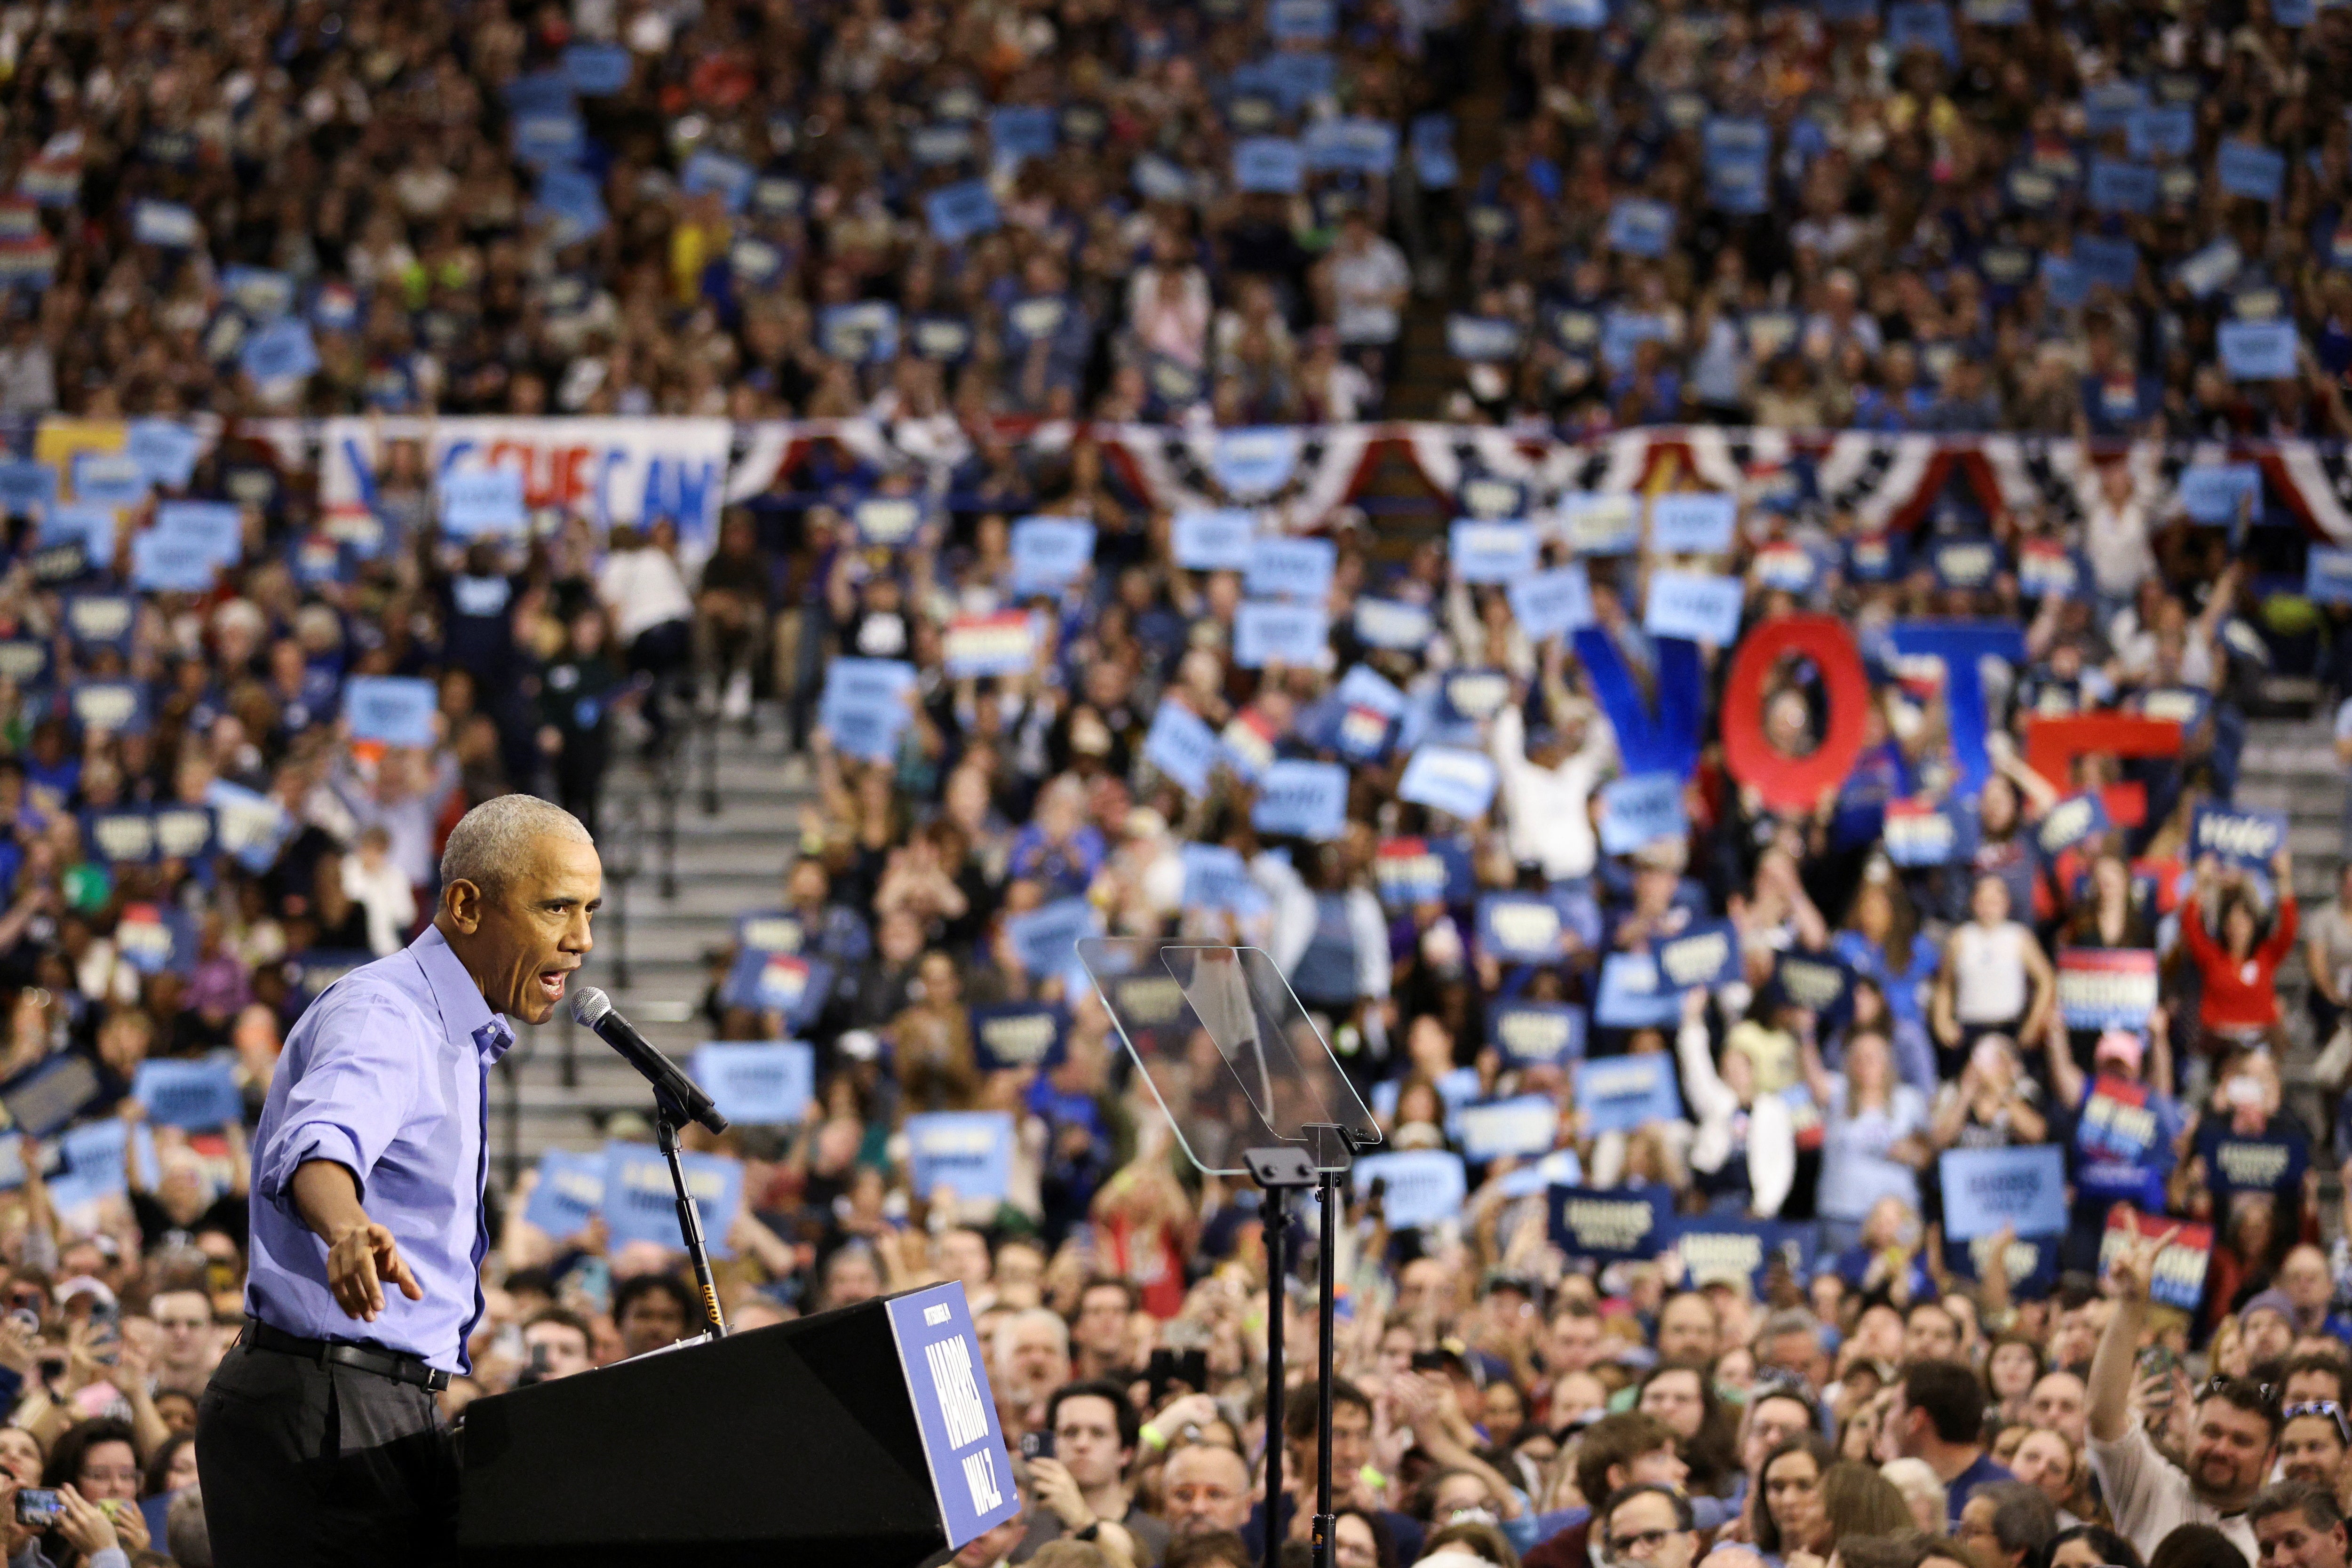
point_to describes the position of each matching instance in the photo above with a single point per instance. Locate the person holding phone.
(1077, 1460)
(318, 1439)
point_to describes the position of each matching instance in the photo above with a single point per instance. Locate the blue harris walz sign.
(947, 1383)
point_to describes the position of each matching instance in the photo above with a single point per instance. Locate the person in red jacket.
(2240, 1004)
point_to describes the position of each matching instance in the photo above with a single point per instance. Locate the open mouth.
(551, 983)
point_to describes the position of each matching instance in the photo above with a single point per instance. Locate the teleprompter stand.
(1270, 1104)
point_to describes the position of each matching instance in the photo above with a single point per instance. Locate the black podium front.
(863, 1436)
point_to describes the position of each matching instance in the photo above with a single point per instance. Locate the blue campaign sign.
(1393, 623)
(283, 351)
(1285, 568)
(2071, 821)
(94, 1155)
(2327, 576)
(1356, 145)
(1519, 928)
(956, 213)
(1640, 810)
(1450, 779)
(249, 824)
(395, 710)
(1702, 608)
(1617, 1094)
(596, 70)
(641, 1200)
(864, 705)
(26, 486)
(116, 705)
(1985, 1189)
(2259, 350)
(2240, 835)
(1275, 631)
(1017, 1036)
(1517, 1128)
(863, 334)
(1048, 551)
(887, 520)
(1419, 1187)
(1704, 955)
(1485, 551)
(570, 1192)
(1634, 996)
(125, 836)
(2203, 271)
(765, 1083)
(1610, 1224)
(779, 983)
(165, 450)
(1639, 227)
(2249, 169)
(1551, 604)
(214, 528)
(1529, 1032)
(2118, 186)
(1481, 340)
(1216, 878)
(182, 832)
(481, 500)
(1922, 25)
(162, 564)
(1816, 982)
(154, 938)
(969, 1152)
(1045, 939)
(1182, 746)
(2031, 1264)
(1713, 1248)
(1302, 800)
(167, 224)
(1269, 165)
(1694, 523)
(1219, 541)
(1434, 158)
(1474, 696)
(1302, 21)
(545, 139)
(1920, 832)
(2161, 131)
(198, 1095)
(955, 1413)
(1364, 686)
(108, 478)
(2220, 495)
(2110, 106)
(2107, 263)
(1023, 131)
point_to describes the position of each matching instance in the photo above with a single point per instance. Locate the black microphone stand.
(668, 1116)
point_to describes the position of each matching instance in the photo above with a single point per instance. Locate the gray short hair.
(2023, 1517)
(185, 1535)
(492, 840)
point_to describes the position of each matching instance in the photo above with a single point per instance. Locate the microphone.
(678, 1092)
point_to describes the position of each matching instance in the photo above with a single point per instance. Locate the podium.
(863, 1436)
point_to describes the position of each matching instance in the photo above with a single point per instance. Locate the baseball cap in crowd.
(2121, 1045)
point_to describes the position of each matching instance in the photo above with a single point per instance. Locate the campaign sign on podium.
(946, 1378)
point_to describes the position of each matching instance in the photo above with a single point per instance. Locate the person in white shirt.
(2232, 1433)
(653, 615)
(1547, 794)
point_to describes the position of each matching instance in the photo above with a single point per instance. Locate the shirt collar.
(464, 1012)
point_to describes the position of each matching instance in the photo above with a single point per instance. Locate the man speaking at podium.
(319, 1440)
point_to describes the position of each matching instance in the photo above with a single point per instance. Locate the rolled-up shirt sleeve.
(353, 1098)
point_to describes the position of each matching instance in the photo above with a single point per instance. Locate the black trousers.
(304, 1463)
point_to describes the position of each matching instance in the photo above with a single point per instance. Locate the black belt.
(393, 1364)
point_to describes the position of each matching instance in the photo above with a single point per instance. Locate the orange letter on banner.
(1787, 783)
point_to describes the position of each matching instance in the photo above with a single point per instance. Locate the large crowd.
(1951, 219)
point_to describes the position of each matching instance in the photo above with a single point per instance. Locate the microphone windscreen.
(589, 1005)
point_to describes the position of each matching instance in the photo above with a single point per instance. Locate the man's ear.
(461, 904)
